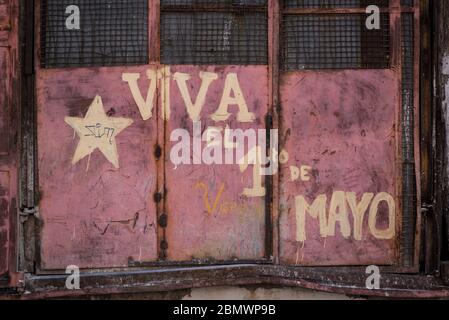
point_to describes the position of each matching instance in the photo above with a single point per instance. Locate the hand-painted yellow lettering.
(165, 75)
(294, 173)
(254, 157)
(194, 108)
(210, 209)
(145, 105)
(358, 211)
(390, 232)
(338, 212)
(305, 173)
(233, 95)
(316, 210)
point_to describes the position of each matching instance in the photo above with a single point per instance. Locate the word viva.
(232, 94)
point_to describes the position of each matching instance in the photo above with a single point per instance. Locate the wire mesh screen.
(111, 32)
(214, 32)
(408, 138)
(289, 4)
(407, 3)
(334, 42)
(212, 3)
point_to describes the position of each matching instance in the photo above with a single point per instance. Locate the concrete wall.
(238, 293)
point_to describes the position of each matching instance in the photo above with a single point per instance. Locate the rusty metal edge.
(348, 281)
(14, 277)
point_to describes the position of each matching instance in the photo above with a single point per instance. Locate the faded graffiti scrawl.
(97, 131)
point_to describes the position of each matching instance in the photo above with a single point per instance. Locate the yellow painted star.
(97, 131)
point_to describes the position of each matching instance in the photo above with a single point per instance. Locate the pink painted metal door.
(213, 213)
(97, 198)
(132, 160)
(112, 195)
(8, 134)
(205, 213)
(216, 101)
(341, 132)
(97, 167)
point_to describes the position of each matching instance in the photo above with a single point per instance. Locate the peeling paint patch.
(445, 65)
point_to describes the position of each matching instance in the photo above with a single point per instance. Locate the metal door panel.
(340, 128)
(208, 215)
(94, 215)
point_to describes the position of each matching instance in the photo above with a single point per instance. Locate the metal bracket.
(426, 209)
(30, 212)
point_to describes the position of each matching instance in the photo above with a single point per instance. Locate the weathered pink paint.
(236, 228)
(94, 215)
(4, 103)
(5, 15)
(5, 179)
(5, 200)
(9, 115)
(343, 125)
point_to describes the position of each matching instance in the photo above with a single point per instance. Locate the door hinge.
(29, 212)
(426, 209)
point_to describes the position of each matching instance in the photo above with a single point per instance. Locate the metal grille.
(290, 4)
(408, 140)
(212, 3)
(334, 41)
(407, 3)
(214, 32)
(112, 32)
